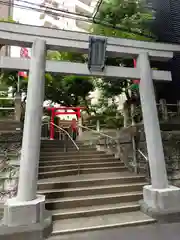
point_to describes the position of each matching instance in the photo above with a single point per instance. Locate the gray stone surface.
(37, 231)
(161, 217)
(18, 213)
(162, 200)
(148, 232)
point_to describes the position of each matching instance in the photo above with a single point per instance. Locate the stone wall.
(10, 147)
(122, 148)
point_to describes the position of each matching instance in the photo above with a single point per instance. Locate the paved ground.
(148, 232)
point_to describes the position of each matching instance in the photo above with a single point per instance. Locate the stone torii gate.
(28, 208)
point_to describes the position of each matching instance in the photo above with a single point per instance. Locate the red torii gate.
(55, 113)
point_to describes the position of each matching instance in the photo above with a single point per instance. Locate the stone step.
(86, 181)
(72, 151)
(95, 210)
(95, 200)
(71, 156)
(69, 147)
(92, 190)
(77, 153)
(83, 224)
(59, 142)
(77, 171)
(78, 165)
(78, 161)
(170, 126)
(61, 147)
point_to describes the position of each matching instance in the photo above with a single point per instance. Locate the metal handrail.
(97, 132)
(64, 132)
(142, 154)
(147, 165)
(7, 108)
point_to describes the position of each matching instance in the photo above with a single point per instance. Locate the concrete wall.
(5, 11)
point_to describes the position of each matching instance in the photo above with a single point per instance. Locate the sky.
(27, 17)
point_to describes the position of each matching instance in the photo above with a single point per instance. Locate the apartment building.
(65, 19)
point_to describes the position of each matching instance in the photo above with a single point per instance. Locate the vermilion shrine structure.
(55, 112)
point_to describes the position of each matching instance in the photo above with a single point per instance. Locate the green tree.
(67, 90)
(127, 18)
(130, 16)
(107, 114)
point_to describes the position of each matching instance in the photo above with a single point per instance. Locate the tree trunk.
(126, 113)
(86, 105)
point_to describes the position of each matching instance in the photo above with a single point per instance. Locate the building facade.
(166, 27)
(53, 17)
(6, 11)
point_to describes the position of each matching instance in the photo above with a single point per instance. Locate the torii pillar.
(160, 199)
(25, 216)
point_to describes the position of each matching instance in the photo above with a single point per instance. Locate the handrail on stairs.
(68, 135)
(111, 138)
(142, 154)
(107, 137)
(95, 131)
(66, 132)
(147, 163)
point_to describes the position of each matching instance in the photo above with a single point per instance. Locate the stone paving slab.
(147, 232)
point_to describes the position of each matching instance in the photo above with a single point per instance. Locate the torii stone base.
(26, 220)
(161, 204)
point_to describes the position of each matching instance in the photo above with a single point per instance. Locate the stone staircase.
(9, 125)
(88, 190)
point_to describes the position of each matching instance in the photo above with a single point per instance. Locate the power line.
(84, 18)
(71, 15)
(56, 10)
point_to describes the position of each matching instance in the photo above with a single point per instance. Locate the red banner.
(24, 53)
(135, 81)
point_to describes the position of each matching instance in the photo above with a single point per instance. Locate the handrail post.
(98, 126)
(134, 147)
(80, 132)
(125, 114)
(18, 107)
(163, 108)
(178, 107)
(132, 114)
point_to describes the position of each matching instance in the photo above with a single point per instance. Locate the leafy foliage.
(129, 19)
(9, 19)
(130, 16)
(107, 114)
(66, 90)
